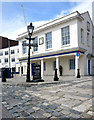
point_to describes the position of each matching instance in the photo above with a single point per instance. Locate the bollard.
(3, 75)
(78, 73)
(55, 76)
(12, 75)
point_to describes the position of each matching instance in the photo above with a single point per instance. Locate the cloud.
(12, 28)
(81, 7)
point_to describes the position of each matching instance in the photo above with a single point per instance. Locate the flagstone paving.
(64, 99)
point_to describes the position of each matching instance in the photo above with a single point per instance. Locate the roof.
(55, 22)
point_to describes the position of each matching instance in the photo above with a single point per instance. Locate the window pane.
(48, 40)
(24, 48)
(72, 63)
(65, 36)
(35, 41)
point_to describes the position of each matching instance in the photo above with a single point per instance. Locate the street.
(62, 99)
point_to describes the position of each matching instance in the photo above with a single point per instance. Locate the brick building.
(5, 42)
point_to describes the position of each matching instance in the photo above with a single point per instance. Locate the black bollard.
(78, 73)
(12, 74)
(55, 76)
(3, 75)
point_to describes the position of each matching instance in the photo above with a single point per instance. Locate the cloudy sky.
(37, 12)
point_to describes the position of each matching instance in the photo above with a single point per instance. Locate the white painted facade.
(15, 56)
(61, 54)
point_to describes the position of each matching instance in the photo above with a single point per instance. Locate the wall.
(85, 45)
(16, 55)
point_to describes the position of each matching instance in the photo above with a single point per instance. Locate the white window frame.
(48, 40)
(72, 64)
(35, 41)
(65, 35)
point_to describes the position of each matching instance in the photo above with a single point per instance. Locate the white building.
(9, 57)
(58, 42)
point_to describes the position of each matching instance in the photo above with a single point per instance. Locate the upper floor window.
(87, 38)
(6, 52)
(49, 40)
(72, 64)
(35, 41)
(54, 65)
(24, 48)
(6, 60)
(82, 33)
(88, 26)
(1, 53)
(12, 52)
(13, 59)
(65, 35)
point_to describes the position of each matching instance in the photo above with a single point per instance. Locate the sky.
(38, 13)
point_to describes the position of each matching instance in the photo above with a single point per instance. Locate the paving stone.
(52, 107)
(58, 109)
(56, 114)
(27, 103)
(31, 110)
(36, 108)
(45, 104)
(65, 112)
(20, 110)
(74, 116)
(75, 112)
(26, 107)
(63, 117)
(41, 111)
(6, 105)
(15, 115)
(84, 115)
(49, 110)
(22, 105)
(9, 108)
(90, 113)
(31, 117)
(47, 115)
(37, 115)
(24, 114)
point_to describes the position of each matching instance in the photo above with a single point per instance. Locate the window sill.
(65, 45)
(48, 49)
(34, 52)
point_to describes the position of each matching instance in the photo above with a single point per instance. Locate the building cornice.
(55, 53)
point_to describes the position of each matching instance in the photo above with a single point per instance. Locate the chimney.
(93, 12)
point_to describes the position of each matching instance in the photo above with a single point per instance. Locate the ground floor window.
(54, 65)
(13, 69)
(72, 64)
(44, 66)
(19, 69)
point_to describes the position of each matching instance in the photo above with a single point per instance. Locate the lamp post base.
(38, 80)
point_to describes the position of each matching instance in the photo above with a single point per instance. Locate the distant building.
(9, 53)
(5, 42)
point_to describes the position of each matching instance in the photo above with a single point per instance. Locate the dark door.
(21, 70)
(88, 67)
